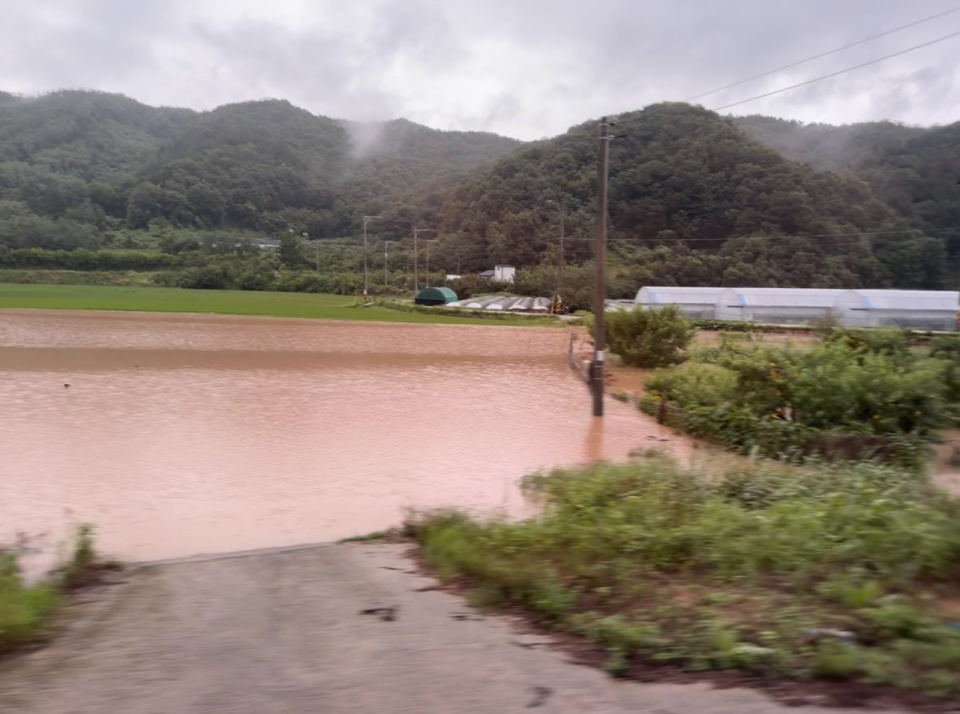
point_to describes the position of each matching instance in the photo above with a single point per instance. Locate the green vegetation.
(649, 338)
(26, 610)
(793, 573)
(858, 394)
(908, 167)
(693, 199)
(222, 302)
(76, 166)
(389, 534)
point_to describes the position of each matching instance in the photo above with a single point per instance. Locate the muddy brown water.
(189, 434)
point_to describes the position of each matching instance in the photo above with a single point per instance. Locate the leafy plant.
(649, 338)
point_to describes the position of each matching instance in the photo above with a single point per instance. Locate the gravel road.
(333, 629)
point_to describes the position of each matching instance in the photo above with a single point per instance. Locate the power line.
(858, 234)
(838, 72)
(821, 55)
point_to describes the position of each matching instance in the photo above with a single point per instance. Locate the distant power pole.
(386, 264)
(366, 268)
(600, 294)
(416, 256)
(563, 219)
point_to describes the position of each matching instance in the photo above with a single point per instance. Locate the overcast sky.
(524, 68)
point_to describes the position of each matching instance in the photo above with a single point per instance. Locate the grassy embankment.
(26, 610)
(815, 573)
(224, 302)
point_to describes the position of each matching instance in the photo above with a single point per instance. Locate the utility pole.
(563, 221)
(600, 295)
(366, 268)
(386, 264)
(427, 280)
(316, 249)
(416, 256)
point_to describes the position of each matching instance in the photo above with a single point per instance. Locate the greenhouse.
(919, 309)
(775, 305)
(928, 309)
(692, 302)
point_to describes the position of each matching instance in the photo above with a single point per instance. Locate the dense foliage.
(858, 394)
(912, 169)
(649, 338)
(693, 200)
(88, 162)
(795, 573)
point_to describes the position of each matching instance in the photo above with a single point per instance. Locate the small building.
(925, 309)
(435, 296)
(698, 303)
(500, 273)
(775, 305)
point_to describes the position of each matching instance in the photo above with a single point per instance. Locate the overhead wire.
(838, 72)
(858, 234)
(822, 54)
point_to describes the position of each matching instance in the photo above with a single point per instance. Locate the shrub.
(638, 557)
(649, 338)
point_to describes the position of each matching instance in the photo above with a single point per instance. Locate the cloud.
(526, 69)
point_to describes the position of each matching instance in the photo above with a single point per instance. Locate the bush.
(841, 400)
(649, 338)
(643, 559)
(210, 277)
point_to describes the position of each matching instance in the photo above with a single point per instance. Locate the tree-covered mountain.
(693, 200)
(914, 170)
(91, 161)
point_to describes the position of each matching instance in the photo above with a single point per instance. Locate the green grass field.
(222, 302)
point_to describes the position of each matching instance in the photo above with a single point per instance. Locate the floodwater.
(186, 434)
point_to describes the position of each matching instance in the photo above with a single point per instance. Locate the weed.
(783, 571)
(389, 534)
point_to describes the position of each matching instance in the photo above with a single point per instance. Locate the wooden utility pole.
(600, 294)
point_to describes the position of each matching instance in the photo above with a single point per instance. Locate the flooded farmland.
(186, 434)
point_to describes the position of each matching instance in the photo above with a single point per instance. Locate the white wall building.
(504, 273)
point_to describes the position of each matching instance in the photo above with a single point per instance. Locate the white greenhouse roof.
(667, 295)
(905, 299)
(780, 297)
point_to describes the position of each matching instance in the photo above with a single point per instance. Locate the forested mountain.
(90, 162)
(914, 170)
(695, 198)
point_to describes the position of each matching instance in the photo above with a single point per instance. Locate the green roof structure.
(435, 296)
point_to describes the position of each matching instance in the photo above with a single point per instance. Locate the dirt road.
(332, 629)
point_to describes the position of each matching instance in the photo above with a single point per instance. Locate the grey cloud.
(563, 61)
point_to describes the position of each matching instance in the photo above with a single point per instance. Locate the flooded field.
(180, 435)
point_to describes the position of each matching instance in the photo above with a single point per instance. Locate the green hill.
(693, 200)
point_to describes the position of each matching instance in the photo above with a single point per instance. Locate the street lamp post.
(563, 221)
(366, 269)
(386, 264)
(416, 256)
